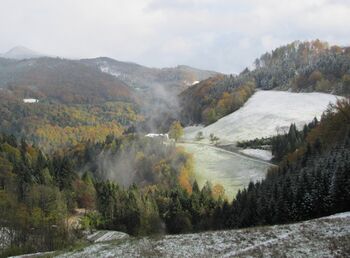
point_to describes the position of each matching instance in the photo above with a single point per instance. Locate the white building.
(30, 100)
(164, 137)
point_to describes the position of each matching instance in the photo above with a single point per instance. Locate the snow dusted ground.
(231, 170)
(325, 237)
(260, 154)
(265, 114)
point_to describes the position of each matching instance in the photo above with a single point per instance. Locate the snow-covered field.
(325, 237)
(231, 170)
(266, 113)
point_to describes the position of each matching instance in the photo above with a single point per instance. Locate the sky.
(220, 35)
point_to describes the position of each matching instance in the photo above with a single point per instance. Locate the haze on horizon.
(220, 35)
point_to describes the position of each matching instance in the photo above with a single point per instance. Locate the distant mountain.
(89, 80)
(144, 78)
(62, 80)
(20, 53)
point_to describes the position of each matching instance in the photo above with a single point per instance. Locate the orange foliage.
(218, 191)
(185, 177)
(184, 180)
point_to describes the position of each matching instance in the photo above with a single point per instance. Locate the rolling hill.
(265, 114)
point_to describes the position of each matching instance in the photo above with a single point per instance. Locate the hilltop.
(20, 53)
(311, 66)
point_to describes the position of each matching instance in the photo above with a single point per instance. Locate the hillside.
(64, 92)
(266, 113)
(325, 237)
(62, 80)
(313, 66)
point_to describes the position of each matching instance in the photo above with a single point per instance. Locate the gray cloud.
(223, 35)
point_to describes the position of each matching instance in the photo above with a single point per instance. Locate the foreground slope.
(325, 237)
(265, 114)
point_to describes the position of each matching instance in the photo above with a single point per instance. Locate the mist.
(133, 160)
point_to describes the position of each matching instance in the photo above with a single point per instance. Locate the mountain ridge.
(142, 77)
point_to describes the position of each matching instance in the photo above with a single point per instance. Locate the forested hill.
(87, 99)
(61, 80)
(299, 67)
(305, 66)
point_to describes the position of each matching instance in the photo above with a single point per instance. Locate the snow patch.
(106, 69)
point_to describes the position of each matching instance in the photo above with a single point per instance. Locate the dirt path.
(231, 152)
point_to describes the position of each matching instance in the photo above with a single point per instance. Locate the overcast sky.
(222, 35)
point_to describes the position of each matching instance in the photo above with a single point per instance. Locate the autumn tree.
(176, 131)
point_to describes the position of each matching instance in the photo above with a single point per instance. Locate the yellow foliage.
(51, 135)
(176, 130)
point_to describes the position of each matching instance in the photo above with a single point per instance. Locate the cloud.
(223, 35)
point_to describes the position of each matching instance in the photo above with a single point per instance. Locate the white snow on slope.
(325, 237)
(265, 114)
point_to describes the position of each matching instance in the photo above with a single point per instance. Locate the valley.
(182, 161)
